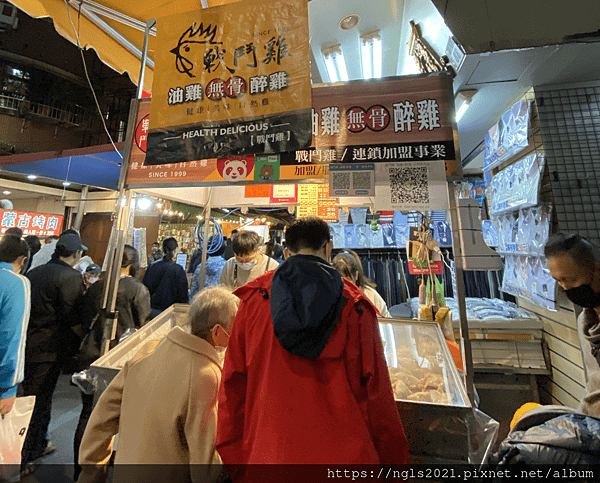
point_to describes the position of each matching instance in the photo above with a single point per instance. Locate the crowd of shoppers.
(304, 379)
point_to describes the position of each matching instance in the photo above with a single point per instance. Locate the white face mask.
(93, 279)
(247, 265)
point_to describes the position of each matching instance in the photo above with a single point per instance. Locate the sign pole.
(121, 215)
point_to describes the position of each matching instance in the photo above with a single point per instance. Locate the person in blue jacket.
(15, 302)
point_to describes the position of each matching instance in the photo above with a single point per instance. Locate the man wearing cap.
(52, 336)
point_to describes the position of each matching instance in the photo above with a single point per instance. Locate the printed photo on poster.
(231, 80)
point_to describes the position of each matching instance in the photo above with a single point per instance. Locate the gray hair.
(212, 306)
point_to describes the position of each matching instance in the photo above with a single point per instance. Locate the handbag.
(13, 429)
(89, 349)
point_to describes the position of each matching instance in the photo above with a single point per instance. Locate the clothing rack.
(388, 268)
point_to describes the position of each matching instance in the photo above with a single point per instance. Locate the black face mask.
(584, 296)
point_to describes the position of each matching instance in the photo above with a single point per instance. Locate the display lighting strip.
(335, 63)
(371, 55)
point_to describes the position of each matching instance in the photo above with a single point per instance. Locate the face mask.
(247, 265)
(93, 279)
(584, 296)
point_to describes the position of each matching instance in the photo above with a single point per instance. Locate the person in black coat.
(166, 281)
(53, 335)
(133, 306)
(550, 435)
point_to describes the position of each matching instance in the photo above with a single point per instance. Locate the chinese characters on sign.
(405, 119)
(31, 223)
(314, 200)
(231, 80)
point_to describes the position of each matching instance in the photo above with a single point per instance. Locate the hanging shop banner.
(284, 193)
(352, 179)
(389, 120)
(231, 80)
(410, 186)
(37, 224)
(138, 173)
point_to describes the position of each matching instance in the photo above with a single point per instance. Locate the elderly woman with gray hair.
(163, 405)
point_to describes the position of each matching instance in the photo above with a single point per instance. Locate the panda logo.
(235, 169)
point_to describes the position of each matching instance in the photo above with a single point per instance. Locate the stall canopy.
(113, 28)
(97, 166)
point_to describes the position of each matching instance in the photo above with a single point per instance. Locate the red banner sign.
(31, 223)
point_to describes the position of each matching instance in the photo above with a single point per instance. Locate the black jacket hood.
(306, 303)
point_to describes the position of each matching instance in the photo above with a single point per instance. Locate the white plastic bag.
(13, 429)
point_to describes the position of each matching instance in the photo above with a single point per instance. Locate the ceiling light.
(66, 183)
(144, 203)
(31, 177)
(6, 192)
(462, 101)
(180, 214)
(349, 22)
(371, 55)
(336, 66)
(170, 213)
(159, 205)
(166, 212)
(263, 219)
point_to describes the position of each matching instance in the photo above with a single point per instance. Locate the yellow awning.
(113, 28)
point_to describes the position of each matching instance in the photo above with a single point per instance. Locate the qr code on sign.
(341, 181)
(361, 180)
(409, 185)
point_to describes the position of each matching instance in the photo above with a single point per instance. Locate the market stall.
(386, 145)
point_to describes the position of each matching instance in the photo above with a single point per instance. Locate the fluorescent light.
(6, 192)
(32, 177)
(66, 183)
(335, 63)
(462, 109)
(462, 101)
(371, 55)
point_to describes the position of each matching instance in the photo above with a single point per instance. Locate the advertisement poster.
(350, 179)
(400, 119)
(283, 193)
(231, 80)
(37, 224)
(410, 186)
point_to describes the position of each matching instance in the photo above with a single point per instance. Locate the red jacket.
(276, 407)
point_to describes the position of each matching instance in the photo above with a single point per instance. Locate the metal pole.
(205, 229)
(80, 208)
(460, 296)
(121, 214)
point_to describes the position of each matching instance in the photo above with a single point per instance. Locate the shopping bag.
(13, 429)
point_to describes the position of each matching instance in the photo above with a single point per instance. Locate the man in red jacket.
(304, 378)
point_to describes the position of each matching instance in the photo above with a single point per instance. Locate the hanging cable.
(215, 240)
(88, 78)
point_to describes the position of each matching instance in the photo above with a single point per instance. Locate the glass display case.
(440, 423)
(421, 366)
